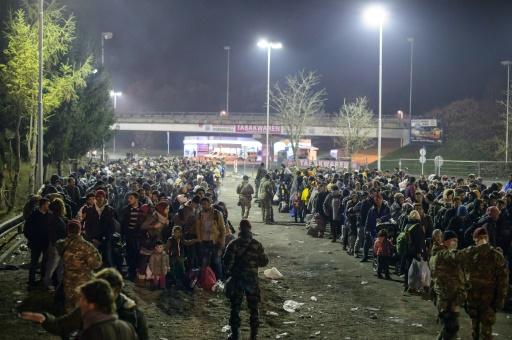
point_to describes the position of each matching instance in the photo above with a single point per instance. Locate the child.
(159, 265)
(383, 249)
(175, 247)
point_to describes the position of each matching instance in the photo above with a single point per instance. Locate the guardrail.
(8, 225)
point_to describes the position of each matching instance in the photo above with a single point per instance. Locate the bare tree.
(296, 103)
(353, 122)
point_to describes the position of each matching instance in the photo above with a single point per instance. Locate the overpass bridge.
(250, 123)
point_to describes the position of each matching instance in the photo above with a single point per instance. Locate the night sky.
(169, 55)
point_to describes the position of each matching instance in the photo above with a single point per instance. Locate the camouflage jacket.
(447, 274)
(79, 255)
(266, 189)
(242, 258)
(486, 275)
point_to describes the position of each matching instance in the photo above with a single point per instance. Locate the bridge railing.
(257, 118)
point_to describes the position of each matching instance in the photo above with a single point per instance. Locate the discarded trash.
(226, 329)
(282, 335)
(274, 281)
(329, 286)
(272, 313)
(272, 273)
(417, 325)
(354, 309)
(313, 298)
(300, 241)
(373, 316)
(317, 333)
(396, 319)
(495, 334)
(290, 306)
(218, 287)
(373, 309)
(364, 282)
(23, 247)
(288, 322)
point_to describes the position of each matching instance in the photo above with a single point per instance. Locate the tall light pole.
(113, 95)
(377, 15)
(228, 49)
(411, 41)
(104, 36)
(40, 165)
(269, 46)
(507, 63)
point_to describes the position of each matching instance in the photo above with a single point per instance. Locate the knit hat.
(448, 235)
(160, 208)
(414, 215)
(480, 232)
(101, 193)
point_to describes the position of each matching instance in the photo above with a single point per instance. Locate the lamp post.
(507, 63)
(228, 50)
(104, 36)
(269, 46)
(40, 131)
(411, 41)
(114, 95)
(377, 15)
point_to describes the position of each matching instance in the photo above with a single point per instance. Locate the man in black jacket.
(37, 231)
(100, 226)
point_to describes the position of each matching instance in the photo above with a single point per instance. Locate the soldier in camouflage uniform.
(487, 281)
(266, 195)
(448, 284)
(245, 192)
(80, 258)
(241, 261)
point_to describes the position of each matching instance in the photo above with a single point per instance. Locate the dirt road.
(342, 297)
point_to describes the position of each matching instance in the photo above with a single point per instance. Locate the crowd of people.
(157, 222)
(450, 234)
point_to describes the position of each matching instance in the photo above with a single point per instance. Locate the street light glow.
(375, 15)
(263, 43)
(115, 94)
(107, 35)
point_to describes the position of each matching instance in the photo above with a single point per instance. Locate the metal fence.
(490, 170)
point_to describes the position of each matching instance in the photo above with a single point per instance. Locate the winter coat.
(99, 326)
(383, 247)
(98, 227)
(374, 213)
(37, 230)
(332, 206)
(218, 229)
(159, 263)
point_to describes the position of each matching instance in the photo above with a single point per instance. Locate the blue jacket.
(371, 221)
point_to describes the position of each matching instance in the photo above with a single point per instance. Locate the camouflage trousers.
(71, 281)
(449, 318)
(482, 318)
(266, 209)
(245, 204)
(236, 295)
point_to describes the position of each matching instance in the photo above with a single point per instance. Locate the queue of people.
(451, 237)
(157, 222)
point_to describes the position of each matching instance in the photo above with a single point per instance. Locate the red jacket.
(382, 247)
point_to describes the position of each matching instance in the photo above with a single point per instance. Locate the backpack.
(284, 207)
(208, 279)
(403, 239)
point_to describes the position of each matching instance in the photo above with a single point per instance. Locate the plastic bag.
(291, 306)
(272, 273)
(208, 279)
(425, 274)
(414, 275)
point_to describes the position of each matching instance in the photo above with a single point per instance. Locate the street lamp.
(507, 63)
(228, 50)
(377, 15)
(114, 94)
(411, 41)
(40, 131)
(269, 46)
(104, 36)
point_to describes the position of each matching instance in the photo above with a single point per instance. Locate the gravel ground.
(342, 298)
